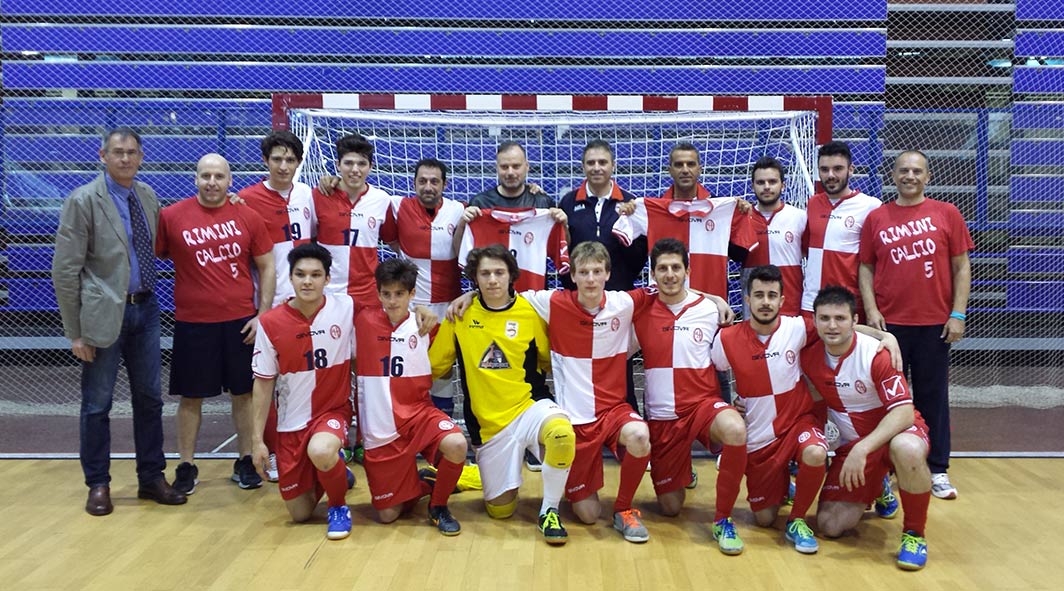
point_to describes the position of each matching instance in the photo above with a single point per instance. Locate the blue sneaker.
(912, 555)
(886, 504)
(339, 522)
(799, 534)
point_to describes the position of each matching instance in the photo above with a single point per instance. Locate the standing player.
(513, 190)
(428, 237)
(396, 417)
(779, 228)
(353, 220)
(502, 351)
(287, 207)
(915, 279)
(763, 355)
(712, 228)
(832, 236)
(303, 347)
(879, 430)
(213, 244)
(683, 402)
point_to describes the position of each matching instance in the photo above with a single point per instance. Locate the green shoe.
(727, 538)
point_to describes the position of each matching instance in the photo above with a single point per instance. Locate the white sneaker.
(271, 468)
(941, 487)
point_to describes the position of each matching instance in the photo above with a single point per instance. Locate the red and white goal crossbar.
(555, 102)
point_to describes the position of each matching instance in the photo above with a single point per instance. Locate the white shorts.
(501, 459)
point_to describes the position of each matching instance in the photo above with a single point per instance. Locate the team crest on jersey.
(850, 221)
(511, 328)
(860, 387)
(615, 324)
(450, 229)
(635, 416)
(412, 341)
(894, 387)
(446, 425)
(334, 332)
(371, 222)
(306, 213)
(333, 424)
(790, 357)
(494, 358)
(803, 437)
(720, 404)
(529, 237)
(698, 335)
(789, 237)
(710, 226)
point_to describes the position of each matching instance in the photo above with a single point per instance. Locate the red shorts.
(670, 444)
(877, 465)
(767, 474)
(585, 476)
(296, 474)
(391, 469)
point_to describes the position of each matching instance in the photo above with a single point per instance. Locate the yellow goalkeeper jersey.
(503, 357)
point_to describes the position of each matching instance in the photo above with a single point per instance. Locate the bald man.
(214, 244)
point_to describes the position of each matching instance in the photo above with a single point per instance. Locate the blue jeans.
(138, 345)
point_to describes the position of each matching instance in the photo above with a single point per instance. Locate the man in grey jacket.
(104, 278)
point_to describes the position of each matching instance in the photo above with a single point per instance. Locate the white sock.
(553, 487)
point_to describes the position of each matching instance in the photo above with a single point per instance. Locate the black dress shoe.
(161, 492)
(99, 502)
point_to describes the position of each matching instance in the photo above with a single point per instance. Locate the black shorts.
(209, 357)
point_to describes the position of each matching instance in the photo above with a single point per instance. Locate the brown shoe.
(161, 492)
(99, 502)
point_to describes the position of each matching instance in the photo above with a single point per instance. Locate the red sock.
(447, 474)
(632, 470)
(914, 506)
(806, 486)
(269, 434)
(729, 477)
(334, 481)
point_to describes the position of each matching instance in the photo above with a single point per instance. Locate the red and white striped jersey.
(767, 375)
(428, 243)
(394, 374)
(290, 222)
(676, 356)
(861, 390)
(530, 234)
(833, 240)
(588, 351)
(706, 225)
(309, 357)
(352, 232)
(780, 243)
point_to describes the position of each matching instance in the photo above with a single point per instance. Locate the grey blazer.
(90, 268)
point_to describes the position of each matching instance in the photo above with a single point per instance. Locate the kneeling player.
(879, 429)
(304, 347)
(396, 415)
(502, 351)
(683, 402)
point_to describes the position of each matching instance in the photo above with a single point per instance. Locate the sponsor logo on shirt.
(289, 487)
(382, 497)
(765, 355)
(311, 333)
(893, 387)
(494, 358)
(476, 324)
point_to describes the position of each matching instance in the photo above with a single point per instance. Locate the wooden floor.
(1006, 531)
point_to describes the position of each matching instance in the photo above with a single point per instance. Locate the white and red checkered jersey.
(768, 375)
(780, 243)
(706, 225)
(676, 356)
(394, 374)
(352, 232)
(427, 241)
(588, 351)
(833, 240)
(290, 220)
(310, 359)
(861, 390)
(530, 234)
